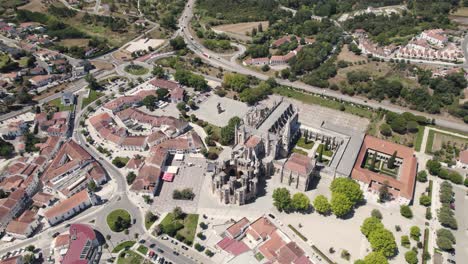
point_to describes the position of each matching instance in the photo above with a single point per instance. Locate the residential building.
(69, 207)
(24, 226)
(83, 245)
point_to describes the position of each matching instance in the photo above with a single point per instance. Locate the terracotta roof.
(238, 227)
(162, 83)
(300, 164)
(72, 153)
(42, 198)
(271, 246)
(137, 141)
(261, 228)
(12, 260)
(253, 141)
(80, 243)
(67, 205)
(289, 253)
(464, 156)
(135, 163)
(405, 183)
(62, 240)
(20, 225)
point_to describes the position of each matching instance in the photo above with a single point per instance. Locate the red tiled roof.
(67, 204)
(161, 83)
(238, 227)
(252, 141)
(289, 253)
(81, 239)
(300, 164)
(261, 228)
(464, 156)
(407, 177)
(271, 246)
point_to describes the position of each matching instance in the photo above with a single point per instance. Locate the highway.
(216, 60)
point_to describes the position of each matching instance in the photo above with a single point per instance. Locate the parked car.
(184, 247)
(152, 245)
(175, 253)
(160, 250)
(56, 234)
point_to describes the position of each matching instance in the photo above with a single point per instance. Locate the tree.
(30, 248)
(375, 258)
(349, 187)
(446, 233)
(411, 257)
(28, 259)
(227, 132)
(158, 71)
(178, 213)
(92, 186)
(320, 156)
(131, 176)
(422, 176)
(405, 211)
(433, 166)
(383, 191)
(321, 204)
(415, 233)
(282, 199)
(149, 101)
(370, 225)
(444, 243)
(178, 43)
(382, 240)
(425, 200)
(300, 202)
(341, 204)
(161, 93)
(92, 82)
(385, 130)
(377, 214)
(373, 161)
(391, 161)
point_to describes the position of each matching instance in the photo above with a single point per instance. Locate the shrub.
(425, 200)
(405, 242)
(406, 212)
(376, 213)
(411, 257)
(415, 233)
(455, 177)
(321, 204)
(422, 176)
(199, 247)
(370, 225)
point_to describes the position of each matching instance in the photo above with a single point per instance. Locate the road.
(215, 60)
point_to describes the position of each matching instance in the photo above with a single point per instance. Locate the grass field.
(189, 223)
(58, 103)
(418, 139)
(132, 257)
(142, 249)
(317, 100)
(112, 218)
(33, 5)
(93, 96)
(125, 244)
(80, 42)
(303, 144)
(4, 59)
(299, 151)
(239, 30)
(462, 11)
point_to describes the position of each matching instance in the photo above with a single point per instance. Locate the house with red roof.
(24, 226)
(462, 161)
(69, 207)
(400, 181)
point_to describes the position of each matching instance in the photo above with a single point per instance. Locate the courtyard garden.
(119, 220)
(381, 166)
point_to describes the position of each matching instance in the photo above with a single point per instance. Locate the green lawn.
(259, 256)
(112, 218)
(126, 244)
(189, 223)
(136, 69)
(312, 99)
(142, 249)
(93, 96)
(419, 137)
(299, 151)
(58, 103)
(4, 59)
(326, 152)
(430, 141)
(131, 257)
(149, 222)
(303, 144)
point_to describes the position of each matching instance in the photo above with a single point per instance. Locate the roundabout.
(134, 70)
(119, 220)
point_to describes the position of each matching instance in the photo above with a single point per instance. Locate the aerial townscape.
(234, 131)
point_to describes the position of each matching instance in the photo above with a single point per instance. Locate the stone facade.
(266, 134)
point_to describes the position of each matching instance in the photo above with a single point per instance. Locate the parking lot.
(190, 175)
(208, 110)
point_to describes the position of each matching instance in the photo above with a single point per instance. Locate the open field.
(349, 56)
(93, 95)
(34, 6)
(102, 65)
(239, 30)
(58, 103)
(436, 139)
(80, 42)
(462, 11)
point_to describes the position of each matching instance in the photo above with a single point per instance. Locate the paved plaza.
(208, 110)
(188, 176)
